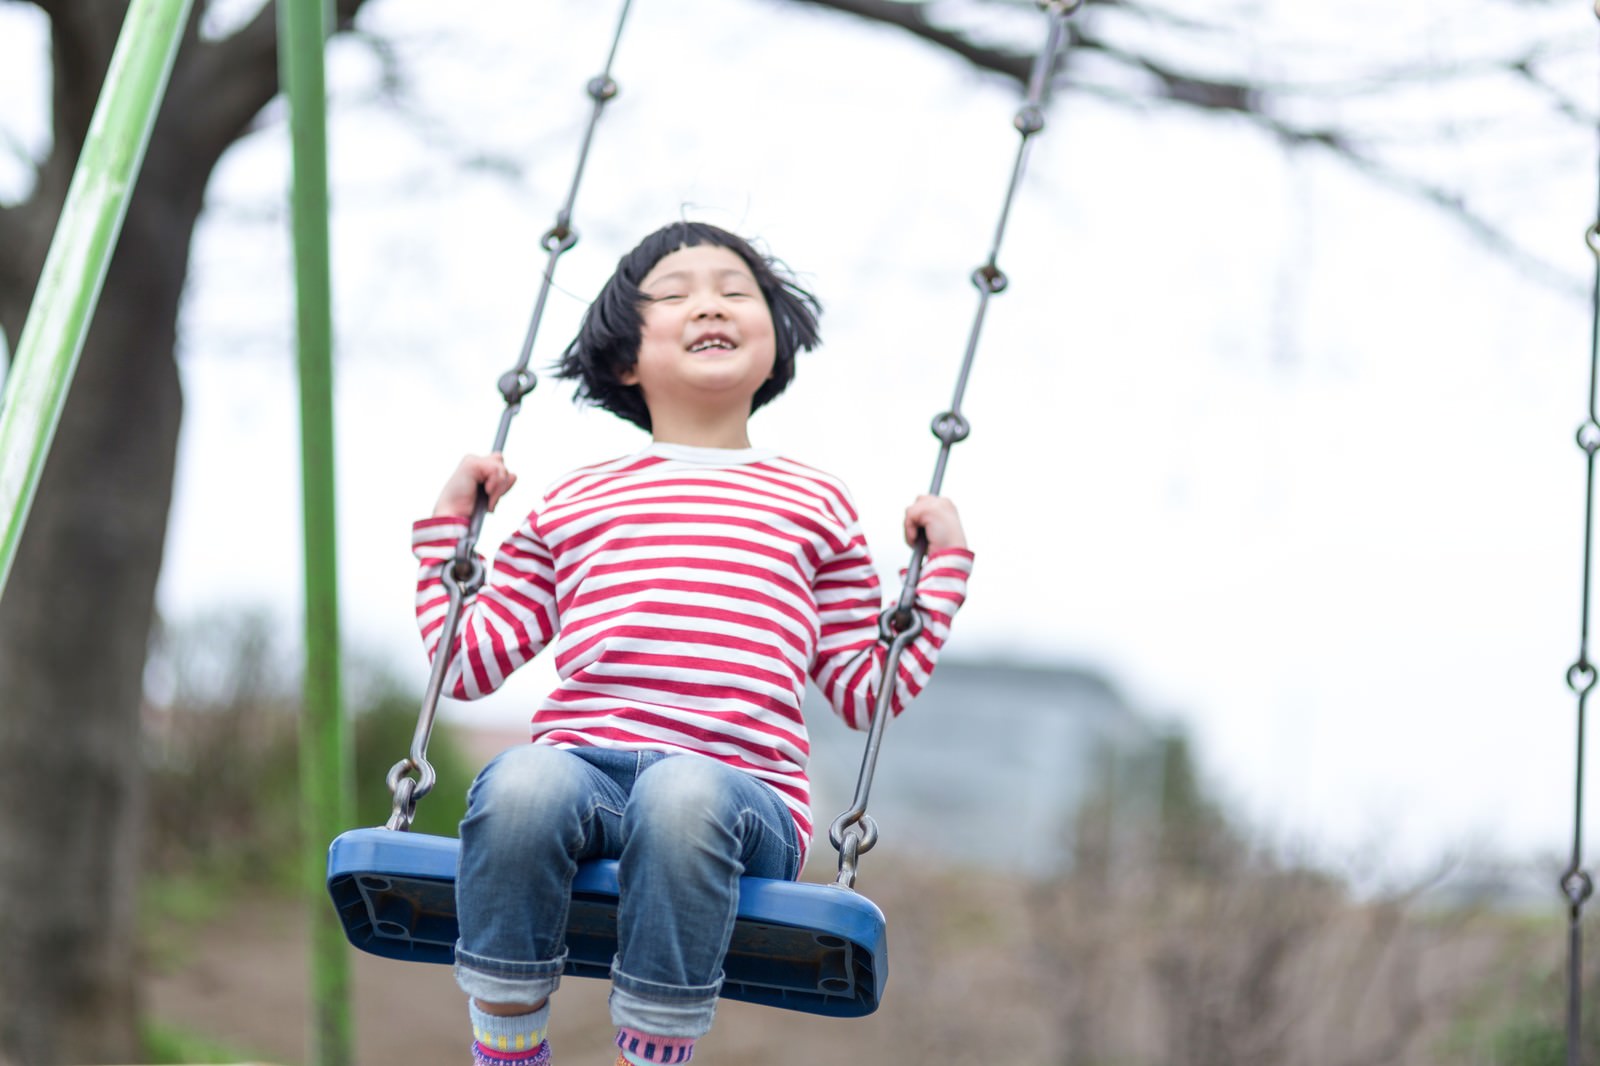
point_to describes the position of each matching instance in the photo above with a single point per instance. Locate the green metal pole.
(325, 789)
(80, 252)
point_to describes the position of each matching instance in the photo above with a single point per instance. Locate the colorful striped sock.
(510, 1040)
(482, 1056)
(643, 1049)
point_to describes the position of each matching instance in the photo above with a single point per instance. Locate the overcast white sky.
(1285, 454)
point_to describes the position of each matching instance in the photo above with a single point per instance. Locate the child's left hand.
(936, 516)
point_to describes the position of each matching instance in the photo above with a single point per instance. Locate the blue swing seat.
(800, 946)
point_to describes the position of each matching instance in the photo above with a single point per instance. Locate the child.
(688, 592)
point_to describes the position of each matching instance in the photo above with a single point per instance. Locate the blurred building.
(991, 765)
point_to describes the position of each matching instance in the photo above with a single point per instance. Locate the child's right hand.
(935, 516)
(460, 492)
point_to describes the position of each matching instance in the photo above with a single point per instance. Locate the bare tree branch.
(226, 83)
(81, 43)
(49, 7)
(1206, 93)
(1494, 238)
(1264, 103)
(1564, 104)
(912, 18)
(11, 279)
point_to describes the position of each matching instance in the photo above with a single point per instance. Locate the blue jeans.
(683, 828)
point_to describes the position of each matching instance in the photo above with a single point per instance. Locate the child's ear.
(630, 376)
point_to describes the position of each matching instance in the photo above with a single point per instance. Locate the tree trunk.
(77, 610)
(74, 629)
(73, 636)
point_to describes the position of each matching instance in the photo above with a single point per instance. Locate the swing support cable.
(465, 575)
(854, 832)
(1576, 884)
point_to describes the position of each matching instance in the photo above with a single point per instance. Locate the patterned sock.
(642, 1049)
(510, 1040)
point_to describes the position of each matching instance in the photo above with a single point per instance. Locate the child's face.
(707, 341)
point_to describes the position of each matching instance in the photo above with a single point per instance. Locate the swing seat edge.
(796, 946)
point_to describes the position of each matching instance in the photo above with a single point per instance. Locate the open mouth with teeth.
(712, 344)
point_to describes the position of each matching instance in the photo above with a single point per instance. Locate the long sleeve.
(686, 595)
(850, 658)
(510, 619)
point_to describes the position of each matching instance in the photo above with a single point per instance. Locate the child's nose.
(711, 305)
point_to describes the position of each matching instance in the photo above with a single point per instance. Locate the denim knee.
(529, 793)
(532, 814)
(685, 801)
(691, 828)
(686, 809)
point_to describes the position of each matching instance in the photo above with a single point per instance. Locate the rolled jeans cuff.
(663, 1010)
(500, 981)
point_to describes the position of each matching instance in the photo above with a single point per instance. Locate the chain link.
(465, 575)
(1575, 883)
(853, 833)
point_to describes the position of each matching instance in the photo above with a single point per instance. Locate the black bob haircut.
(607, 345)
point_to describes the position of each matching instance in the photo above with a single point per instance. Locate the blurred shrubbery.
(1176, 936)
(221, 746)
(1177, 939)
(1172, 938)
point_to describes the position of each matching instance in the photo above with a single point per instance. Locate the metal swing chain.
(1576, 884)
(854, 832)
(465, 575)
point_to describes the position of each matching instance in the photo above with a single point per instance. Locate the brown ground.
(1131, 961)
(243, 979)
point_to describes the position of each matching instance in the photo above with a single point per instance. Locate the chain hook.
(848, 861)
(405, 799)
(1581, 676)
(514, 385)
(854, 840)
(990, 278)
(1577, 886)
(901, 624)
(951, 427)
(420, 785)
(857, 830)
(559, 238)
(467, 570)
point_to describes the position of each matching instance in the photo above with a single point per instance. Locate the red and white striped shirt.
(687, 594)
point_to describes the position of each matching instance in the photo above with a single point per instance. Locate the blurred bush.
(1177, 938)
(221, 749)
(1174, 937)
